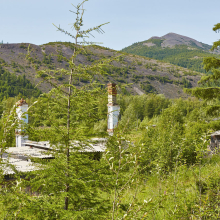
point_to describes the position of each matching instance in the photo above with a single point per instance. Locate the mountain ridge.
(171, 39)
(175, 49)
(143, 75)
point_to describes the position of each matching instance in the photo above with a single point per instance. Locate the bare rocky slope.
(173, 39)
(144, 75)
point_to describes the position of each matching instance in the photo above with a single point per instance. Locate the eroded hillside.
(144, 75)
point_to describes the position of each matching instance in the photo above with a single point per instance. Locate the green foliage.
(176, 132)
(32, 60)
(47, 59)
(121, 159)
(65, 117)
(100, 126)
(135, 108)
(156, 165)
(117, 71)
(136, 78)
(60, 56)
(13, 64)
(157, 42)
(186, 83)
(147, 87)
(164, 79)
(67, 44)
(84, 198)
(179, 55)
(2, 62)
(54, 115)
(210, 83)
(23, 46)
(12, 85)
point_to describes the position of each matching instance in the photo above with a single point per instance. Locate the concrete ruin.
(21, 110)
(113, 108)
(214, 142)
(26, 150)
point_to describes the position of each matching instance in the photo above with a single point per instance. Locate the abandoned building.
(215, 141)
(21, 156)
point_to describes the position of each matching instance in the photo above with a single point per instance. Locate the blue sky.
(130, 21)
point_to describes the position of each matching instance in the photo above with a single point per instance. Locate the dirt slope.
(145, 75)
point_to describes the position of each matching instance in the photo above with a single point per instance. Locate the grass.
(177, 195)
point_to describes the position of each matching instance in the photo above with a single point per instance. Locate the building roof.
(41, 144)
(216, 133)
(92, 145)
(20, 157)
(28, 152)
(19, 165)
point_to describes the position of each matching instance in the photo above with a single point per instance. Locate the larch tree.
(210, 89)
(65, 117)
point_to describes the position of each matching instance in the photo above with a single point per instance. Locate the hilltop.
(173, 39)
(144, 74)
(174, 48)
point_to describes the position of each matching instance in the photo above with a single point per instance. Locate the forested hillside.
(12, 85)
(175, 49)
(141, 75)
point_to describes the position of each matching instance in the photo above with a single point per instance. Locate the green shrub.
(60, 78)
(23, 46)
(101, 126)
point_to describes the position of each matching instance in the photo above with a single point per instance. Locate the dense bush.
(135, 108)
(176, 133)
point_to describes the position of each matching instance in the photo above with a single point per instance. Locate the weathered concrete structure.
(21, 157)
(215, 141)
(21, 110)
(113, 108)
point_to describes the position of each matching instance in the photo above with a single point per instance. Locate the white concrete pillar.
(113, 108)
(21, 110)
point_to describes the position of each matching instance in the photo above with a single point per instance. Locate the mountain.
(176, 49)
(172, 39)
(144, 75)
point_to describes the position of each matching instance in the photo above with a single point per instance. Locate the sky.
(29, 21)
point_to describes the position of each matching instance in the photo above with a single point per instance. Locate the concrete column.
(22, 115)
(113, 108)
